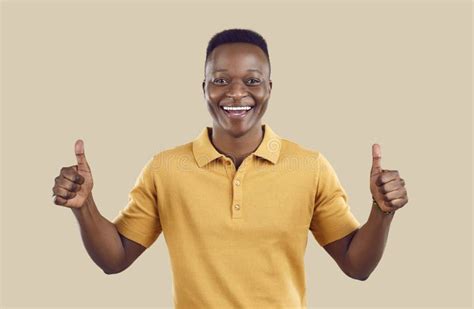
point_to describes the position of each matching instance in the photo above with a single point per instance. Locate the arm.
(111, 251)
(358, 253)
(73, 189)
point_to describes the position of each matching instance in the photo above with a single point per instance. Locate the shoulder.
(292, 151)
(179, 155)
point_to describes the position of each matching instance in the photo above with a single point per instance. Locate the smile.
(236, 111)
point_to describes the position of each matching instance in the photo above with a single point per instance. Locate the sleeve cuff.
(137, 237)
(340, 232)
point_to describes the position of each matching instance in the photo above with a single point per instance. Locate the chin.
(239, 130)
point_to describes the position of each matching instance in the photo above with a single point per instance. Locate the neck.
(237, 148)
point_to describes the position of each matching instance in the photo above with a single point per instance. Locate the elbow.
(111, 271)
(108, 272)
(353, 272)
(358, 276)
(113, 268)
(361, 278)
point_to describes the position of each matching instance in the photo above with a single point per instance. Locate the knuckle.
(76, 187)
(60, 192)
(56, 200)
(64, 194)
(79, 179)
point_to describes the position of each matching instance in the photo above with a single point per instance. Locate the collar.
(205, 152)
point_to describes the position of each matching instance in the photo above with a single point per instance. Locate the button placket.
(237, 183)
(228, 167)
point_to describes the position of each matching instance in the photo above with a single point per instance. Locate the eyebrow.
(249, 70)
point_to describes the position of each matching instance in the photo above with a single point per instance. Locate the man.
(236, 204)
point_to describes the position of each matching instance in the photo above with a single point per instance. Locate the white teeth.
(236, 108)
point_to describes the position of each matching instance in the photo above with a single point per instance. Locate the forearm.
(367, 246)
(100, 237)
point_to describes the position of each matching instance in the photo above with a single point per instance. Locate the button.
(237, 182)
(237, 206)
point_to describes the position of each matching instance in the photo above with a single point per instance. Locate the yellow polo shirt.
(237, 238)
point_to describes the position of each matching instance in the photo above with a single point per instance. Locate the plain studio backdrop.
(126, 76)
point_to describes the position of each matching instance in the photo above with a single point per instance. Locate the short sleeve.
(332, 218)
(139, 220)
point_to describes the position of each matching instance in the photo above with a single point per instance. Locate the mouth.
(237, 112)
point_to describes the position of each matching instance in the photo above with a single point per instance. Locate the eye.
(253, 81)
(219, 81)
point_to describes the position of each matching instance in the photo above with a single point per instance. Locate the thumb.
(82, 164)
(376, 159)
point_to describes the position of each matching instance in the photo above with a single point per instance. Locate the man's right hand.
(74, 184)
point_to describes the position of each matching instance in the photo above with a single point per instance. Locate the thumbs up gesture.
(74, 184)
(386, 186)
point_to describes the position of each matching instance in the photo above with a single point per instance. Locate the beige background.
(126, 77)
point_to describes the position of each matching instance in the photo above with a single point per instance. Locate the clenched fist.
(74, 184)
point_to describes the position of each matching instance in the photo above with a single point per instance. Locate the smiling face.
(237, 76)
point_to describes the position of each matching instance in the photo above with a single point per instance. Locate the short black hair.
(237, 35)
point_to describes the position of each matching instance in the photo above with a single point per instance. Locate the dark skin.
(110, 250)
(236, 73)
(358, 253)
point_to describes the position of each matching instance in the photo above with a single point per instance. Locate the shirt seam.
(317, 178)
(154, 185)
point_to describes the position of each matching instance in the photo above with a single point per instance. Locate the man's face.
(236, 75)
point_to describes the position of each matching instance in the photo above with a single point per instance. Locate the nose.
(237, 90)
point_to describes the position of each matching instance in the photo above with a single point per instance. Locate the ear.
(203, 85)
(271, 84)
